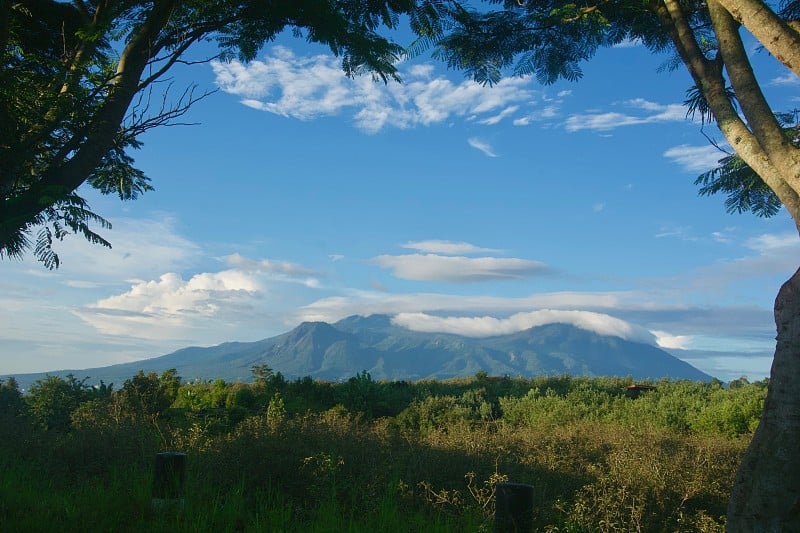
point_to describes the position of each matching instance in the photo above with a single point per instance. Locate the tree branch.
(708, 77)
(757, 111)
(778, 36)
(770, 154)
(59, 180)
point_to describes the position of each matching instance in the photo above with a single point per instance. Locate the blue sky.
(303, 195)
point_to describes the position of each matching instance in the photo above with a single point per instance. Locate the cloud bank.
(487, 326)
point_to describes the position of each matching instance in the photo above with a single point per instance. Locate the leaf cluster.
(745, 190)
(548, 39)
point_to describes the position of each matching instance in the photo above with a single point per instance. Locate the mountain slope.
(340, 350)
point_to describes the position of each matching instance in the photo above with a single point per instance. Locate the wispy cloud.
(481, 146)
(456, 269)
(641, 112)
(268, 266)
(695, 158)
(767, 243)
(790, 78)
(307, 87)
(546, 113)
(447, 247)
(683, 233)
(489, 121)
(721, 237)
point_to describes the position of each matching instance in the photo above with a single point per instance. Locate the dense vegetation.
(363, 455)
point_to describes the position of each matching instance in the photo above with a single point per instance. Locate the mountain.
(341, 350)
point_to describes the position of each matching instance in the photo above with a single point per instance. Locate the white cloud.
(667, 340)
(598, 207)
(457, 269)
(447, 247)
(308, 87)
(487, 326)
(790, 78)
(500, 116)
(649, 112)
(170, 307)
(160, 309)
(769, 243)
(695, 158)
(482, 146)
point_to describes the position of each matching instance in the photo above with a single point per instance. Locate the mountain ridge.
(340, 350)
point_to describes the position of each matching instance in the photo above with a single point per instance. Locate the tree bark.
(708, 76)
(777, 35)
(766, 492)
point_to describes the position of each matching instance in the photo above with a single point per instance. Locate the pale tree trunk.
(766, 493)
(778, 36)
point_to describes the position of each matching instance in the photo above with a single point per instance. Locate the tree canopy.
(81, 81)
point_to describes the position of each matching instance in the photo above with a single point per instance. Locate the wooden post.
(169, 475)
(513, 508)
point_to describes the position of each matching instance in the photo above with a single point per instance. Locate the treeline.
(363, 454)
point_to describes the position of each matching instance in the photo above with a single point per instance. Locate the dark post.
(170, 473)
(514, 508)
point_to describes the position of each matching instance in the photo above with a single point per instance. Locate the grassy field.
(372, 456)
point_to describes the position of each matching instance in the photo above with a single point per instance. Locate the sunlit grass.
(598, 461)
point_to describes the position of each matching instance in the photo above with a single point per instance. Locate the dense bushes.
(362, 454)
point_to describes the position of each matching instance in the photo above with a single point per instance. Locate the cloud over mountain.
(487, 326)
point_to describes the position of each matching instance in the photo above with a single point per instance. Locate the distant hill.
(341, 350)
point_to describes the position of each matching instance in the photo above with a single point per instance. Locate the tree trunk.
(766, 492)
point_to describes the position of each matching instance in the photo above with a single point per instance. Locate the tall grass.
(598, 461)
